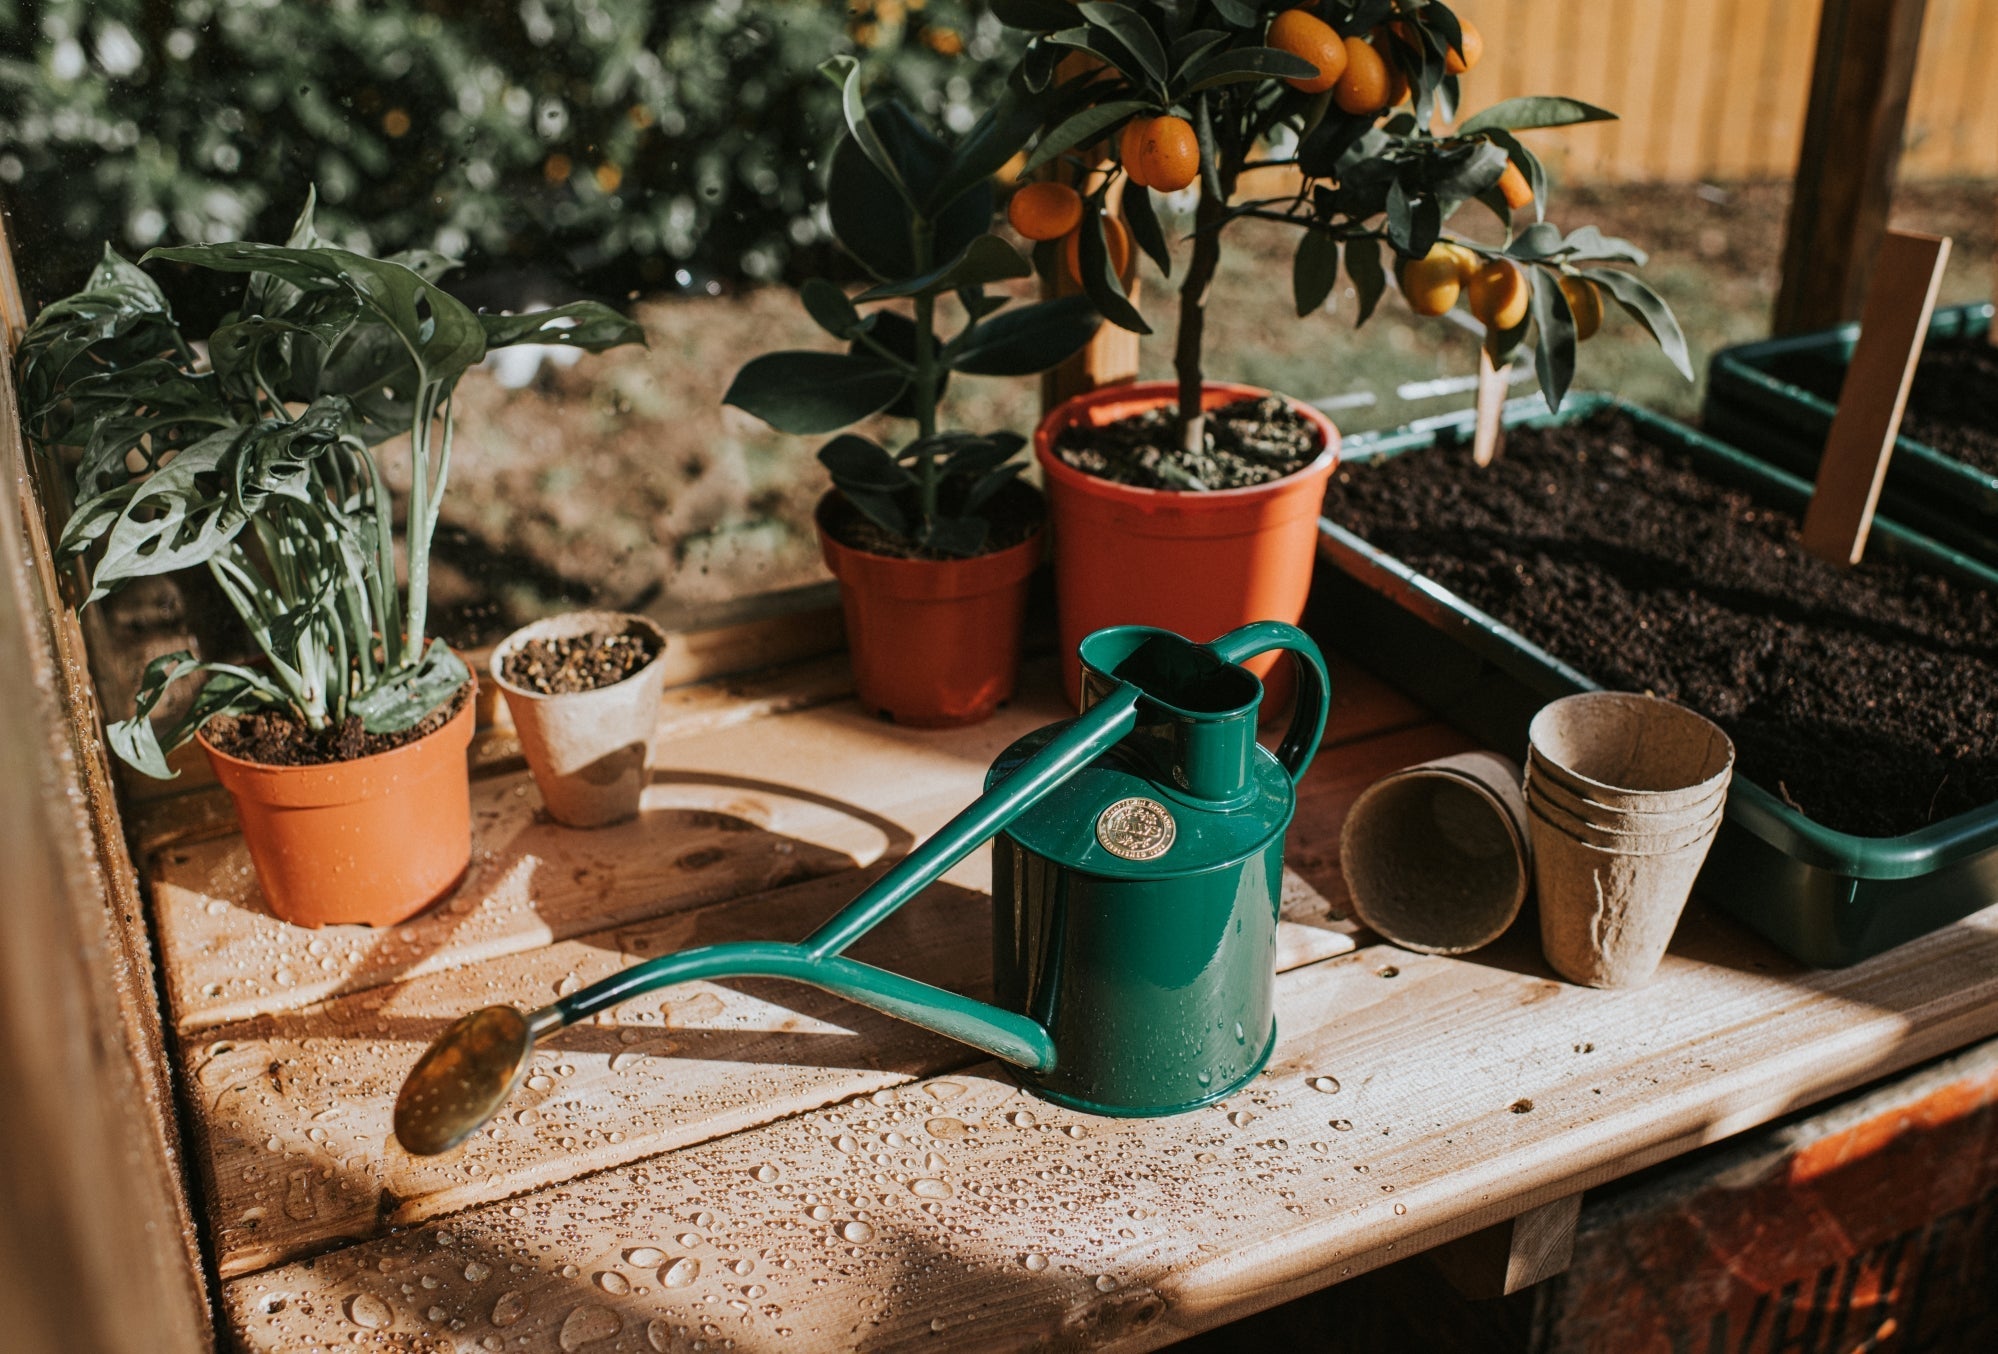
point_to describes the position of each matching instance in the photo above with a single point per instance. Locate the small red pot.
(935, 643)
(1198, 564)
(371, 841)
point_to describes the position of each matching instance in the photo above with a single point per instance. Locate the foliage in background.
(637, 144)
(259, 465)
(916, 212)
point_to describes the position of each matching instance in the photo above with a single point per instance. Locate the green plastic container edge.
(1749, 402)
(1751, 807)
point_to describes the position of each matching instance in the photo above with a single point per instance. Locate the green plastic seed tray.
(1755, 402)
(1827, 898)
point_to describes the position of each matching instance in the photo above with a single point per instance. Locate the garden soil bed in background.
(1863, 697)
(1953, 407)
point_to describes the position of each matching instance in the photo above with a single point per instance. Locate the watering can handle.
(1314, 685)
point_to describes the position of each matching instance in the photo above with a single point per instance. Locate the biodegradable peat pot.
(1607, 914)
(1436, 856)
(370, 841)
(1630, 753)
(586, 748)
(1198, 564)
(935, 644)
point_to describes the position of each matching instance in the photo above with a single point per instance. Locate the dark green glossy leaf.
(884, 510)
(1531, 112)
(1314, 270)
(1554, 336)
(1243, 64)
(808, 392)
(983, 260)
(1363, 265)
(1035, 16)
(1143, 220)
(1591, 244)
(1129, 28)
(1648, 309)
(1100, 282)
(1029, 339)
(896, 332)
(830, 307)
(1083, 128)
(859, 465)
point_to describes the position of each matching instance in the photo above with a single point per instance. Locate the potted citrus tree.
(1193, 504)
(932, 541)
(343, 743)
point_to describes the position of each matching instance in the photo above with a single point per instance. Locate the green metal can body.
(1159, 992)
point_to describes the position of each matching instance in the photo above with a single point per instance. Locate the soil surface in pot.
(1248, 442)
(1012, 515)
(276, 738)
(575, 663)
(1863, 697)
(1953, 406)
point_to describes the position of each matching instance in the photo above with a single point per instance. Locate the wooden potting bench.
(760, 1163)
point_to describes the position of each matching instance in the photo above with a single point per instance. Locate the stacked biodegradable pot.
(1624, 796)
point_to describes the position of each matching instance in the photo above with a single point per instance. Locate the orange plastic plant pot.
(1198, 564)
(935, 643)
(370, 841)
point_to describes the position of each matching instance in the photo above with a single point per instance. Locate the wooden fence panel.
(1715, 89)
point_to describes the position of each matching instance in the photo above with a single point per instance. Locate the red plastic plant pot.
(935, 643)
(371, 841)
(1196, 563)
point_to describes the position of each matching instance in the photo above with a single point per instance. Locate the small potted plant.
(932, 542)
(583, 690)
(1192, 504)
(343, 743)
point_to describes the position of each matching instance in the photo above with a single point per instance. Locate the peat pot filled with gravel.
(583, 690)
(1610, 547)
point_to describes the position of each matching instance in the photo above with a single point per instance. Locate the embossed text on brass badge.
(1136, 829)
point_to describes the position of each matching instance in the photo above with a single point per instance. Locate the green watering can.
(1136, 878)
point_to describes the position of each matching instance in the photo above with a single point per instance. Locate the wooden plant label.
(1489, 434)
(1899, 301)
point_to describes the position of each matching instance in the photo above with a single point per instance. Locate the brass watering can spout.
(471, 1070)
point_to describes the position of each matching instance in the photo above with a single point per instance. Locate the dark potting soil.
(1013, 514)
(276, 738)
(1867, 698)
(1248, 442)
(1953, 406)
(558, 667)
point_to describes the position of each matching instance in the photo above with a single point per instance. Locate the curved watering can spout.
(1188, 711)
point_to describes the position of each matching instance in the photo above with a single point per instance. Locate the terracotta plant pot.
(587, 748)
(935, 643)
(1198, 564)
(371, 841)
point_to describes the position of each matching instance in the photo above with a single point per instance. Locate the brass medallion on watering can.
(1137, 871)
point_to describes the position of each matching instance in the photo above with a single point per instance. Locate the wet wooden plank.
(1466, 1092)
(292, 1111)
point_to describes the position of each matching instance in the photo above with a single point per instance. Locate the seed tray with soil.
(1609, 547)
(1775, 400)
(565, 664)
(1248, 442)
